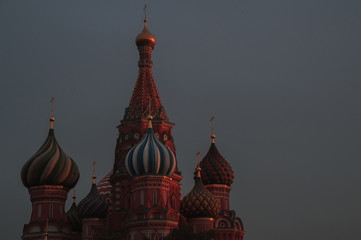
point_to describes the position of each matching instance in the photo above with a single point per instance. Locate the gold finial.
(213, 136)
(94, 176)
(145, 13)
(74, 196)
(52, 113)
(198, 169)
(150, 121)
(46, 229)
(145, 37)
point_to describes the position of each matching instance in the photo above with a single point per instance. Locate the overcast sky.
(282, 78)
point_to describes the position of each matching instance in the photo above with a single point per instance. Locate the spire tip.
(52, 119)
(198, 169)
(213, 136)
(94, 176)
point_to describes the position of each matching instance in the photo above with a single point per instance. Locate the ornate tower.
(217, 176)
(122, 187)
(145, 101)
(49, 174)
(153, 195)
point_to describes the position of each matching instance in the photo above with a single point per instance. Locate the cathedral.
(141, 197)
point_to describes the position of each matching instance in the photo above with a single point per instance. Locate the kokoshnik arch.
(140, 198)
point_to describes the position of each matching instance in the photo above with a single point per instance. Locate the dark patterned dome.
(215, 169)
(50, 165)
(93, 205)
(73, 217)
(199, 202)
(150, 156)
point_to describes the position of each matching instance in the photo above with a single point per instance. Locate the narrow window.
(142, 197)
(173, 203)
(51, 211)
(154, 197)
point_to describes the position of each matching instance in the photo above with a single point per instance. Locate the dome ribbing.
(199, 202)
(50, 165)
(93, 205)
(215, 169)
(145, 37)
(150, 156)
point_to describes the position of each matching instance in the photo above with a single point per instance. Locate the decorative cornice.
(59, 187)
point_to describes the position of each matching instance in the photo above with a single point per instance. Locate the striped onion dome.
(50, 165)
(215, 169)
(73, 217)
(199, 202)
(150, 156)
(93, 205)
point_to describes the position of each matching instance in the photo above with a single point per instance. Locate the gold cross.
(52, 106)
(212, 120)
(198, 153)
(145, 11)
(94, 176)
(94, 167)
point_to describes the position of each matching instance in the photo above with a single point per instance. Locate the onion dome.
(73, 217)
(93, 205)
(215, 169)
(150, 156)
(199, 202)
(145, 37)
(50, 165)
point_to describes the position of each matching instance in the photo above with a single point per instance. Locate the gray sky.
(281, 77)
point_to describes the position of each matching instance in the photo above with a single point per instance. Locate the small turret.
(93, 205)
(73, 216)
(199, 202)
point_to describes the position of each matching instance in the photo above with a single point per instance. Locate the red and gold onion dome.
(50, 165)
(145, 37)
(215, 169)
(93, 205)
(150, 156)
(199, 202)
(73, 217)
